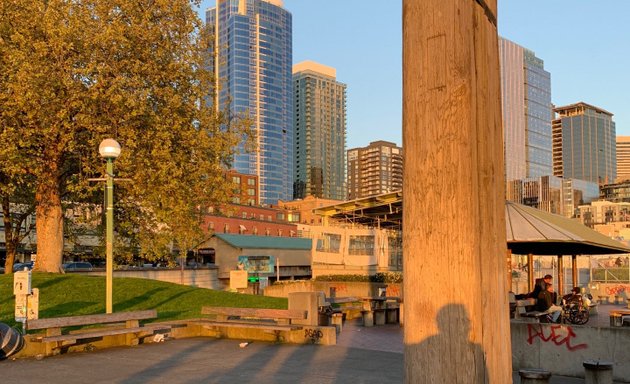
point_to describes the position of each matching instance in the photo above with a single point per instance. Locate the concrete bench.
(120, 323)
(536, 315)
(273, 320)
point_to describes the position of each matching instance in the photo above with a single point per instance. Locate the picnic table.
(378, 310)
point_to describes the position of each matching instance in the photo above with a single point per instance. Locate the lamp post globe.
(109, 149)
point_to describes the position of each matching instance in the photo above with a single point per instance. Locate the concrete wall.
(341, 289)
(200, 277)
(610, 292)
(561, 349)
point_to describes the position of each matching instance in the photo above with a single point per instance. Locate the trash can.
(616, 320)
(11, 341)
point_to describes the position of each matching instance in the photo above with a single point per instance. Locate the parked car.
(20, 266)
(1, 270)
(77, 266)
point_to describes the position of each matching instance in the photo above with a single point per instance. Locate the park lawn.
(74, 294)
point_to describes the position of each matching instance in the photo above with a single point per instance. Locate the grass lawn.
(73, 294)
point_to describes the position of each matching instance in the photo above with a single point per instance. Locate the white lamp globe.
(109, 149)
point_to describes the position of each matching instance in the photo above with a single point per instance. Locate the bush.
(381, 277)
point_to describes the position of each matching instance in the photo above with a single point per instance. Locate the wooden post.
(560, 276)
(574, 270)
(456, 327)
(530, 272)
(509, 270)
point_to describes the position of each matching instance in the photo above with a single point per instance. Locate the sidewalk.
(363, 355)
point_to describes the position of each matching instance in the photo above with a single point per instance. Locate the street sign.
(253, 279)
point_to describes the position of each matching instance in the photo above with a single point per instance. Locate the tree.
(76, 72)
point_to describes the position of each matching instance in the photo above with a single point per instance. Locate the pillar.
(560, 289)
(454, 198)
(530, 272)
(574, 270)
(509, 270)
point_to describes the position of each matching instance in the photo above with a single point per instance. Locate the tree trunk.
(456, 327)
(49, 225)
(8, 236)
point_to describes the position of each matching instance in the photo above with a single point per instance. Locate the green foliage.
(70, 295)
(75, 72)
(380, 277)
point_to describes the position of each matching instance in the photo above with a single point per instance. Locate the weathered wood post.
(456, 320)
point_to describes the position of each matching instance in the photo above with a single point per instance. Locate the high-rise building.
(623, 158)
(319, 121)
(252, 62)
(527, 112)
(584, 143)
(375, 169)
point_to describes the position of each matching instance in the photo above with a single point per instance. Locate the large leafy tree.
(77, 71)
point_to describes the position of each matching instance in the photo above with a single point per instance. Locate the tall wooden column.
(560, 288)
(456, 323)
(574, 271)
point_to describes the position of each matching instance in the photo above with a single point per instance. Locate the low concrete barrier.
(562, 349)
(334, 288)
(205, 277)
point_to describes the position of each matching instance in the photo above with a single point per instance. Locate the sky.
(585, 45)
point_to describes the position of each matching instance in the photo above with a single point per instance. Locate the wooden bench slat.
(104, 318)
(236, 324)
(102, 333)
(263, 313)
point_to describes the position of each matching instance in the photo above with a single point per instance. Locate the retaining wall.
(561, 349)
(336, 288)
(200, 277)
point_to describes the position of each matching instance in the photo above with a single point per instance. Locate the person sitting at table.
(539, 286)
(546, 303)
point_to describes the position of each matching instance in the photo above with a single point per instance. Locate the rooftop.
(265, 242)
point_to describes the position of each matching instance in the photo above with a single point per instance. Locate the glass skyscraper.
(527, 112)
(252, 62)
(319, 118)
(584, 145)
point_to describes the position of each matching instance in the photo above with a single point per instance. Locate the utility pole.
(456, 323)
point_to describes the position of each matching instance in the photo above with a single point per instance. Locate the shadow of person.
(449, 356)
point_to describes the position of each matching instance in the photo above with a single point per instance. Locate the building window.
(361, 245)
(329, 242)
(251, 181)
(236, 179)
(251, 191)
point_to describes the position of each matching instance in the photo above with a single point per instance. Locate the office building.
(623, 158)
(552, 194)
(584, 143)
(527, 112)
(319, 121)
(375, 169)
(252, 58)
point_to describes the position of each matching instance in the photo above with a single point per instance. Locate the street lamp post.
(109, 149)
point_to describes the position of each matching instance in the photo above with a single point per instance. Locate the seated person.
(546, 303)
(575, 295)
(540, 286)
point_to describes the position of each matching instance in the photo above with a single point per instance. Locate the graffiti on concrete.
(557, 334)
(616, 290)
(313, 334)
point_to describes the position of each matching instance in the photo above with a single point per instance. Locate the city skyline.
(374, 75)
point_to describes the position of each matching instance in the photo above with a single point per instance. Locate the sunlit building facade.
(623, 158)
(584, 143)
(527, 112)
(375, 169)
(319, 120)
(252, 61)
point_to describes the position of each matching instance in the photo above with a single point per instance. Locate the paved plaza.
(362, 355)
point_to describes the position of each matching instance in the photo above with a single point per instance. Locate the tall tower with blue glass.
(253, 65)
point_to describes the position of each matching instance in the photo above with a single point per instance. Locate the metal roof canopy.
(528, 230)
(380, 211)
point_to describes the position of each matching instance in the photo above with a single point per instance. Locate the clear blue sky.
(585, 44)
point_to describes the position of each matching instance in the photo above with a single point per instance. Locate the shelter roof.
(265, 242)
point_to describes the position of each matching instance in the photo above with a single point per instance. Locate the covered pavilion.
(529, 231)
